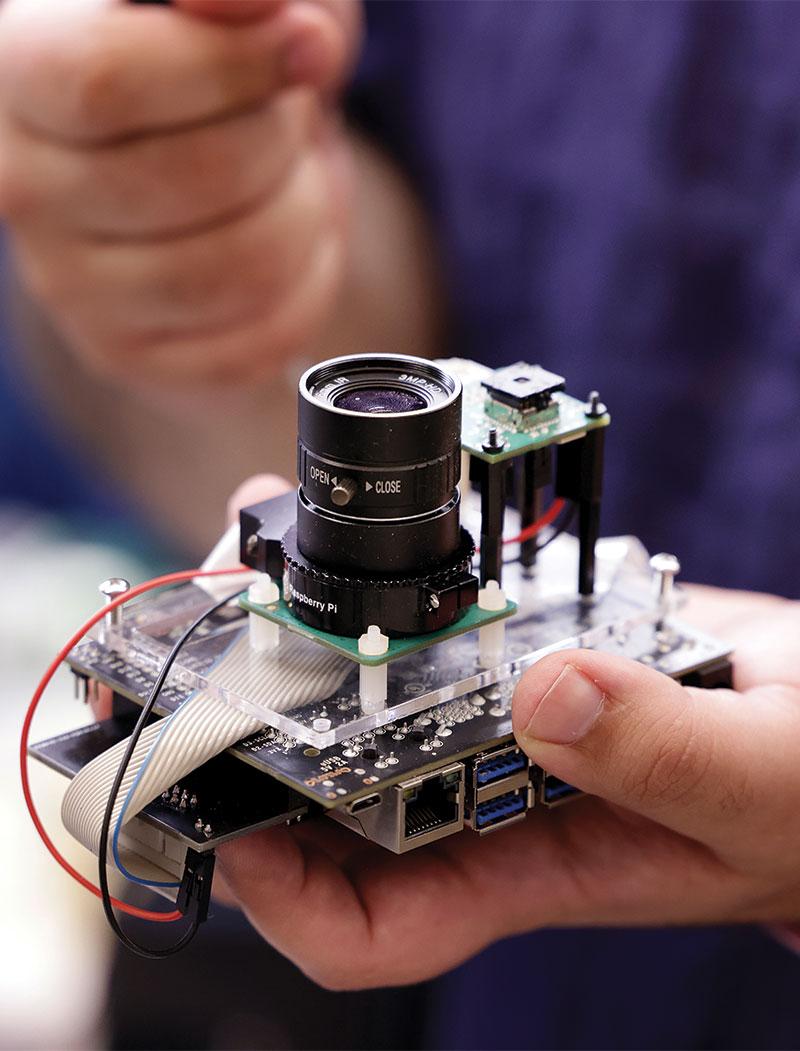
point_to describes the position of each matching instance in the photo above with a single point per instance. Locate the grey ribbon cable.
(293, 675)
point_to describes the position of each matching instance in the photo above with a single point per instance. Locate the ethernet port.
(410, 814)
(433, 804)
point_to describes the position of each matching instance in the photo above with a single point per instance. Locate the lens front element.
(379, 399)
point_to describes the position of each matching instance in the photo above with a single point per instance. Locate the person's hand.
(174, 177)
(694, 818)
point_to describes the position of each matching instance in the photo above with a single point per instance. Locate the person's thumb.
(320, 38)
(253, 490)
(702, 762)
(230, 10)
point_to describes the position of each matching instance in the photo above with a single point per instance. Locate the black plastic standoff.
(534, 470)
(492, 479)
(579, 477)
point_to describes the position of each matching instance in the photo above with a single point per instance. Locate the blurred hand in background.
(176, 178)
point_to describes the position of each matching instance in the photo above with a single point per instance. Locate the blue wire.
(118, 827)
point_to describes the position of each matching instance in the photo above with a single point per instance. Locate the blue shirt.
(615, 189)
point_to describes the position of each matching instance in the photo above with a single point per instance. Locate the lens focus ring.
(427, 427)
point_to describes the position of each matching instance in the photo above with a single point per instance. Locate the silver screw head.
(665, 568)
(113, 588)
(665, 564)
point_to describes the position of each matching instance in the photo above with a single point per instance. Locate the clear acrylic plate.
(550, 618)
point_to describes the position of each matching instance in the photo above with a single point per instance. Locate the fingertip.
(557, 705)
(232, 11)
(221, 891)
(253, 490)
(316, 42)
(236, 859)
(316, 50)
(532, 687)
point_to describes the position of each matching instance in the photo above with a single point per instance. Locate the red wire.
(140, 589)
(552, 512)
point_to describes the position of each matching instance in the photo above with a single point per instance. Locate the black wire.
(133, 740)
(561, 527)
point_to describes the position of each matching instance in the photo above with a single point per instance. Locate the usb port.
(358, 806)
(500, 811)
(553, 791)
(496, 774)
(499, 765)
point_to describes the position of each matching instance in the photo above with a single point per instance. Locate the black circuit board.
(338, 774)
(375, 760)
(220, 800)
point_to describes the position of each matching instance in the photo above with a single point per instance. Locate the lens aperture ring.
(378, 492)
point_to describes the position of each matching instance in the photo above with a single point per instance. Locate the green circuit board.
(564, 420)
(281, 613)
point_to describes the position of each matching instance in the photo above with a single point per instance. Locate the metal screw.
(111, 589)
(494, 443)
(665, 568)
(594, 408)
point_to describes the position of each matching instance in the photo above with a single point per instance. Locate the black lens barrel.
(378, 488)
(378, 545)
(378, 527)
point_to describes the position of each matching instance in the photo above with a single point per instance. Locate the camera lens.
(379, 443)
(379, 453)
(379, 399)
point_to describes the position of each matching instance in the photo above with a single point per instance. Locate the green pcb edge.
(281, 613)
